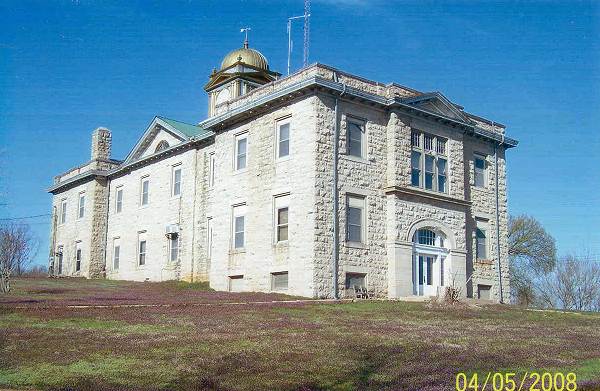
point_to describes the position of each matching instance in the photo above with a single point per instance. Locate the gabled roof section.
(437, 103)
(180, 130)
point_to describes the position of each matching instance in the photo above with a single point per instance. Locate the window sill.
(282, 159)
(359, 245)
(419, 192)
(485, 261)
(238, 172)
(281, 244)
(237, 251)
(356, 159)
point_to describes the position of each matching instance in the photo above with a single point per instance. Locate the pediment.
(438, 104)
(159, 135)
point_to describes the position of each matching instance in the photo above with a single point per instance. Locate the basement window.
(356, 280)
(279, 281)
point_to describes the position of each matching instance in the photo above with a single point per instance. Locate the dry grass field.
(195, 338)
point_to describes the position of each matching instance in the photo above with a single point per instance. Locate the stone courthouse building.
(302, 184)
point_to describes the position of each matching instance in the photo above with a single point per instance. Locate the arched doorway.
(431, 258)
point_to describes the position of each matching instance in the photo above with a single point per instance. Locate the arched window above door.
(425, 236)
(429, 237)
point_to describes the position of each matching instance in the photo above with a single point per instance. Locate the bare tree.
(532, 253)
(17, 246)
(573, 285)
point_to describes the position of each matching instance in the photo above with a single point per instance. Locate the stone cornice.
(310, 83)
(89, 175)
(426, 194)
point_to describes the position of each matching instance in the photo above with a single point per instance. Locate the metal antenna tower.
(306, 30)
(290, 42)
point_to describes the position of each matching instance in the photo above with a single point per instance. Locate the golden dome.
(247, 56)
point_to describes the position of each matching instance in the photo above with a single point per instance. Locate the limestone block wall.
(256, 186)
(151, 220)
(362, 177)
(74, 230)
(483, 210)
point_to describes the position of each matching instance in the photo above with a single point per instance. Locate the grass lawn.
(371, 345)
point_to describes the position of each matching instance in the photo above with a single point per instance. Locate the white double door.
(430, 273)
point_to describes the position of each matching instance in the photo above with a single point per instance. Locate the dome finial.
(245, 30)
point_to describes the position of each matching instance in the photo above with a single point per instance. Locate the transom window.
(429, 162)
(426, 236)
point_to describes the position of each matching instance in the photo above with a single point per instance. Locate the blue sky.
(67, 67)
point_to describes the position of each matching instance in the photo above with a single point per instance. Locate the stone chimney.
(101, 144)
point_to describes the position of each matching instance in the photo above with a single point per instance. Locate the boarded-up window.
(484, 292)
(236, 283)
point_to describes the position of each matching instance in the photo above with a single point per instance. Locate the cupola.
(241, 71)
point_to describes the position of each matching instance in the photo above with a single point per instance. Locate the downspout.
(52, 244)
(498, 219)
(194, 212)
(108, 181)
(336, 228)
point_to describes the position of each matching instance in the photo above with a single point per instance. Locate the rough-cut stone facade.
(204, 211)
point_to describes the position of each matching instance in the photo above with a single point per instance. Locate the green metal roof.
(188, 130)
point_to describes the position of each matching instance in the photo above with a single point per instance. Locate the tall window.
(355, 138)
(81, 206)
(481, 241)
(174, 248)
(480, 169)
(429, 162)
(241, 152)
(355, 219)
(211, 169)
(283, 139)
(59, 252)
(142, 250)
(63, 211)
(239, 218)
(116, 253)
(282, 224)
(78, 257)
(119, 199)
(145, 191)
(281, 217)
(176, 181)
